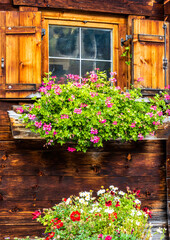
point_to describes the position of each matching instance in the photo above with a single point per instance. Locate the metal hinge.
(122, 41)
(43, 32)
(2, 63)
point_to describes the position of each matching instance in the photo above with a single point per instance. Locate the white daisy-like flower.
(137, 201)
(101, 191)
(86, 203)
(121, 193)
(81, 210)
(87, 198)
(81, 200)
(137, 223)
(113, 188)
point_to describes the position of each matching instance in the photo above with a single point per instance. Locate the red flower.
(50, 235)
(147, 211)
(75, 216)
(117, 204)
(108, 203)
(65, 199)
(112, 193)
(137, 192)
(36, 214)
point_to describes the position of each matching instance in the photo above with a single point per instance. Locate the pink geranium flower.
(133, 125)
(114, 123)
(102, 121)
(71, 149)
(95, 139)
(153, 107)
(108, 238)
(94, 131)
(78, 110)
(140, 136)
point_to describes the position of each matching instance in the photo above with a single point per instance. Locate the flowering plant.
(113, 214)
(93, 111)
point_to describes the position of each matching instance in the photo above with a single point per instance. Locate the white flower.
(121, 193)
(137, 201)
(86, 203)
(101, 191)
(81, 200)
(98, 209)
(109, 211)
(87, 198)
(81, 210)
(139, 213)
(113, 188)
(68, 201)
(116, 199)
(137, 223)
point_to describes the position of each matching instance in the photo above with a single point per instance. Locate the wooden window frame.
(82, 20)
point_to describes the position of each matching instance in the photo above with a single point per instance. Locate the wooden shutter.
(20, 47)
(148, 53)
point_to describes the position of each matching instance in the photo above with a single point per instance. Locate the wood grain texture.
(145, 7)
(22, 51)
(46, 175)
(148, 56)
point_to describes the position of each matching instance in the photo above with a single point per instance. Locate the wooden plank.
(2, 52)
(119, 7)
(151, 38)
(20, 87)
(166, 7)
(39, 163)
(43, 187)
(147, 55)
(12, 50)
(20, 30)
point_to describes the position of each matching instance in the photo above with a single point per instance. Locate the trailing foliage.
(92, 112)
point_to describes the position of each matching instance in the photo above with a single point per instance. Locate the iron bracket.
(43, 32)
(122, 41)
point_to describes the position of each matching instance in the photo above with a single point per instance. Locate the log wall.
(33, 177)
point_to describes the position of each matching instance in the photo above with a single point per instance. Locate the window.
(78, 50)
(76, 42)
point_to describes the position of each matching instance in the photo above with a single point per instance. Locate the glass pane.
(63, 41)
(96, 44)
(88, 66)
(60, 67)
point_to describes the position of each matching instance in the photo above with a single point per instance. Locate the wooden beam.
(118, 6)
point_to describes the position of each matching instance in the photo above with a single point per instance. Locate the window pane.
(88, 66)
(63, 41)
(60, 67)
(96, 44)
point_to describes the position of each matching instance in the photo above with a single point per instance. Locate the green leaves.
(72, 110)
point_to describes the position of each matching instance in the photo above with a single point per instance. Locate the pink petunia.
(160, 113)
(38, 124)
(167, 97)
(114, 123)
(108, 238)
(133, 125)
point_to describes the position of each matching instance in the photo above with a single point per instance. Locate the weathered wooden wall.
(153, 9)
(32, 177)
(144, 7)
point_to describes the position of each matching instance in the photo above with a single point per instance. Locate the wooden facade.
(33, 177)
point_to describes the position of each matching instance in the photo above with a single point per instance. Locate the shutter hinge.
(43, 32)
(122, 41)
(165, 63)
(2, 62)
